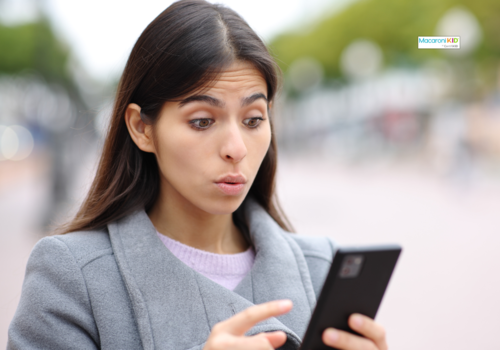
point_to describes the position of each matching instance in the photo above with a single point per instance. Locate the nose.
(233, 147)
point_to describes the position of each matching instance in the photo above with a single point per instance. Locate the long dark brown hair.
(183, 50)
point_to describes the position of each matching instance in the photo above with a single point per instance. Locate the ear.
(270, 108)
(140, 132)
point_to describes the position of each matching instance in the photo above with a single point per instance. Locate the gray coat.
(121, 288)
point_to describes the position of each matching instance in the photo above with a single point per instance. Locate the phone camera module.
(351, 266)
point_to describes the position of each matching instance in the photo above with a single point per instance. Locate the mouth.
(231, 184)
(232, 179)
(231, 189)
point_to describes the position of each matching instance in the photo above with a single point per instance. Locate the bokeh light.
(16, 142)
(362, 58)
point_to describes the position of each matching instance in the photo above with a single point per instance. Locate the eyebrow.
(251, 99)
(202, 98)
(221, 104)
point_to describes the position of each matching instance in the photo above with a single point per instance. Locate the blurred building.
(357, 87)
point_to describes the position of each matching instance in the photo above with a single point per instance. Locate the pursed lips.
(231, 184)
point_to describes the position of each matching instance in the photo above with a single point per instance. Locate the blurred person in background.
(180, 242)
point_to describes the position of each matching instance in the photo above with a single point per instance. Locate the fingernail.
(285, 304)
(332, 334)
(357, 320)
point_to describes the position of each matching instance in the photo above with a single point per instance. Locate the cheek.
(180, 154)
(259, 146)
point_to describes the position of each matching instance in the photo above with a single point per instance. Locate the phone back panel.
(356, 283)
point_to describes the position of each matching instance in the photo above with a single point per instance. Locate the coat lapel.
(176, 307)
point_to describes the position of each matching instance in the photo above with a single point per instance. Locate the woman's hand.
(373, 332)
(230, 334)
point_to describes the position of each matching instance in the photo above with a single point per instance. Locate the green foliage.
(394, 25)
(33, 46)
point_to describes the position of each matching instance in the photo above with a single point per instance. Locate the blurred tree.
(33, 46)
(392, 24)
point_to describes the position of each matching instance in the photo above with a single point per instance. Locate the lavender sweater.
(225, 269)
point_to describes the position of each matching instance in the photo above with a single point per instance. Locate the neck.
(177, 218)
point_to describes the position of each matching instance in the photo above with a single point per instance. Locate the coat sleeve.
(54, 311)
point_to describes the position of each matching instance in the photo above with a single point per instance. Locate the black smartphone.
(356, 283)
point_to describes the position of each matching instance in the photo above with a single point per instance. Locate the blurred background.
(379, 142)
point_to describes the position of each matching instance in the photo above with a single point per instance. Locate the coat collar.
(176, 307)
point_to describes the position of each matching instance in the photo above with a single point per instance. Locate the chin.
(222, 205)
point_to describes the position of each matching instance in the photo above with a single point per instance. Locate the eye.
(253, 122)
(201, 124)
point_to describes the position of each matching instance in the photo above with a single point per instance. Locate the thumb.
(276, 339)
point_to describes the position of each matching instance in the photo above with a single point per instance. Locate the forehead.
(239, 77)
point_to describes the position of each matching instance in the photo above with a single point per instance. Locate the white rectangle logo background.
(439, 42)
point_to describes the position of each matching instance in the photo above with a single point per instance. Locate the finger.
(228, 341)
(346, 341)
(369, 328)
(276, 339)
(246, 319)
(259, 342)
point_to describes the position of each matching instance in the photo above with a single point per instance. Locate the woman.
(180, 243)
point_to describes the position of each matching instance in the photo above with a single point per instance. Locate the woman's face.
(210, 145)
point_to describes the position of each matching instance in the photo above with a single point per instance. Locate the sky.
(103, 32)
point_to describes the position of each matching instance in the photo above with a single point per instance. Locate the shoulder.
(318, 253)
(55, 294)
(315, 247)
(82, 246)
(63, 258)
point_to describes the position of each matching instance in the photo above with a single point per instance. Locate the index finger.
(246, 319)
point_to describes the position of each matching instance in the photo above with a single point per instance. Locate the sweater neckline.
(208, 262)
